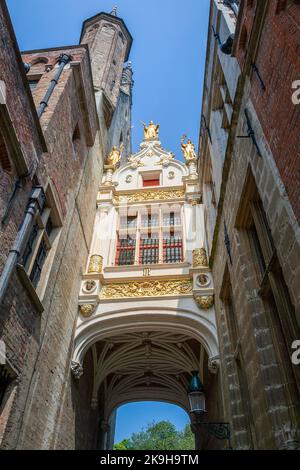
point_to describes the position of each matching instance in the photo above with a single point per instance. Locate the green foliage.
(159, 436)
(123, 445)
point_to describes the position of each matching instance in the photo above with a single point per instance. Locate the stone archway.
(145, 355)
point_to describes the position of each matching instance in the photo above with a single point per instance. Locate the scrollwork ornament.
(147, 289)
(200, 258)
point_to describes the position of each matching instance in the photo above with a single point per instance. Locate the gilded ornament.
(200, 258)
(96, 264)
(114, 156)
(135, 161)
(151, 131)
(205, 302)
(153, 195)
(87, 310)
(147, 289)
(188, 150)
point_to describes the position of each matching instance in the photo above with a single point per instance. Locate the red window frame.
(152, 182)
(124, 248)
(176, 243)
(153, 246)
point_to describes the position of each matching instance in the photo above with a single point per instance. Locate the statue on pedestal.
(188, 149)
(151, 131)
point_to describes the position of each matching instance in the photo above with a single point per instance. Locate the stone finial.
(76, 369)
(114, 11)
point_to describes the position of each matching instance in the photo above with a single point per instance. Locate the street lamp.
(197, 409)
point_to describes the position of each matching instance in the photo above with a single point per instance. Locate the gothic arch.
(194, 324)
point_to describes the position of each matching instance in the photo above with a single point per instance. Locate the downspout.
(36, 203)
(63, 60)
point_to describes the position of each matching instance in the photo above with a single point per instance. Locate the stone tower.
(109, 43)
(120, 129)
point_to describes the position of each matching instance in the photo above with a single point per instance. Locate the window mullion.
(138, 239)
(160, 236)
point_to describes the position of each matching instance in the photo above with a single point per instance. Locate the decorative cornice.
(153, 195)
(205, 302)
(140, 289)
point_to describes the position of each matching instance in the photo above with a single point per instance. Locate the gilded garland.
(153, 195)
(147, 289)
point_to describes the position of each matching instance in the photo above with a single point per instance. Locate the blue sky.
(135, 416)
(168, 53)
(168, 58)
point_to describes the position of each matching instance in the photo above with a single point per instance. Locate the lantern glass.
(197, 402)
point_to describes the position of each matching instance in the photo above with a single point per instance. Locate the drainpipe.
(63, 60)
(36, 202)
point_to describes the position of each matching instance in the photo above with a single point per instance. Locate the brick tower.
(109, 43)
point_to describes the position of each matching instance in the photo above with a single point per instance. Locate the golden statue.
(151, 131)
(114, 156)
(188, 149)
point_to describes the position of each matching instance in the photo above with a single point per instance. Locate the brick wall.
(278, 62)
(23, 120)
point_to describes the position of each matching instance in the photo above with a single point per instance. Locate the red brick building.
(55, 124)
